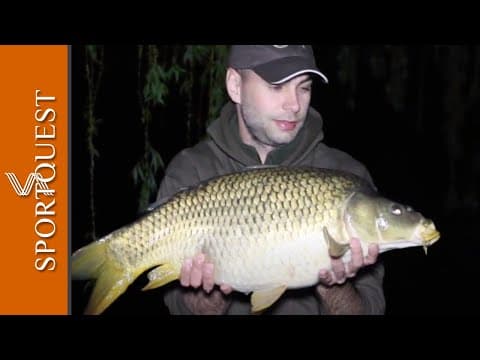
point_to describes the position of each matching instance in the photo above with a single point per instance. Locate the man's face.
(274, 114)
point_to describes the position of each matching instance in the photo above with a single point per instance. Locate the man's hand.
(340, 272)
(343, 299)
(198, 273)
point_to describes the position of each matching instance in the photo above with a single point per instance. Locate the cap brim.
(282, 70)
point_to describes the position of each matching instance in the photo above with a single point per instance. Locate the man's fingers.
(196, 275)
(185, 272)
(338, 269)
(208, 278)
(348, 272)
(373, 251)
(226, 289)
(197, 272)
(357, 256)
(326, 277)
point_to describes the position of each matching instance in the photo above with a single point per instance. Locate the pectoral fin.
(335, 249)
(262, 299)
(160, 276)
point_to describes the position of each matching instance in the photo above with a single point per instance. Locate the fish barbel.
(265, 230)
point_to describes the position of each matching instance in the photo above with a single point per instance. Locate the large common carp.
(265, 230)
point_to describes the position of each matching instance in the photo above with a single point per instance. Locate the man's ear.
(233, 82)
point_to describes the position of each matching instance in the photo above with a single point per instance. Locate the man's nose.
(291, 102)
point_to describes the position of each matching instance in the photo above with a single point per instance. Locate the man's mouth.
(286, 125)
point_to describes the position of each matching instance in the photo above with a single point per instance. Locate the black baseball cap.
(276, 64)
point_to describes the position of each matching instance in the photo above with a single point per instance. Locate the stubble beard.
(263, 132)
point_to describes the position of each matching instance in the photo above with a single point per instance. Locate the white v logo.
(27, 188)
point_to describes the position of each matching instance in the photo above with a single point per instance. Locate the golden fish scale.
(254, 226)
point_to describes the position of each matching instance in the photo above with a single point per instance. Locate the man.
(269, 121)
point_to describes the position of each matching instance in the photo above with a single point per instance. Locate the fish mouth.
(428, 233)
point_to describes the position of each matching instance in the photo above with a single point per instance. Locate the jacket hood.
(224, 132)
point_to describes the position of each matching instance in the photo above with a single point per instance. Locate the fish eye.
(396, 209)
(409, 208)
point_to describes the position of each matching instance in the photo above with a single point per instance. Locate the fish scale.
(265, 230)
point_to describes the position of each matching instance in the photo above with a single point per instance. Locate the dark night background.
(422, 151)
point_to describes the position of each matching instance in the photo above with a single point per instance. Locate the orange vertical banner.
(34, 179)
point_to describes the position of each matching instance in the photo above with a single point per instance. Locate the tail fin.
(90, 262)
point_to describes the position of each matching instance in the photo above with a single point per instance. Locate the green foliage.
(190, 68)
(157, 80)
(205, 65)
(144, 173)
(93, 73)
(216, 81)
(152, 91)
